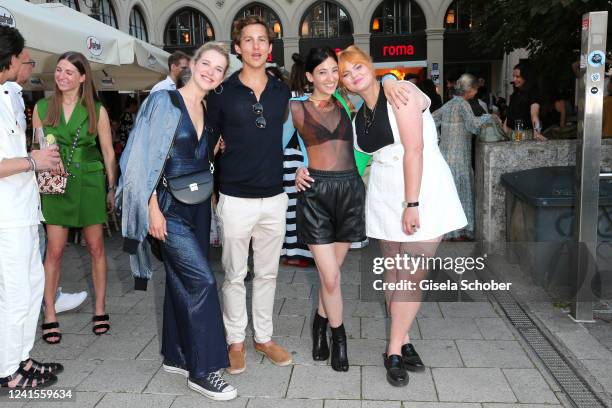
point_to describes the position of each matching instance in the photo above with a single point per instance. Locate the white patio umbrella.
(48, 36)
(140, 65)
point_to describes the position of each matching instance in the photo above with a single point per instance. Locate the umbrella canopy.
(48, 36)
(141, 64)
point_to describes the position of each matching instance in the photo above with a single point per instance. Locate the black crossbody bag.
(194, 188)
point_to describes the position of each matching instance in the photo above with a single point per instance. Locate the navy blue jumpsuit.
(193, 334)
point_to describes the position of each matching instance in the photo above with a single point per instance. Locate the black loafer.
(411, 358)
(397, 375)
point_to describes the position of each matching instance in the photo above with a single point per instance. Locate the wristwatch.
(406, 204)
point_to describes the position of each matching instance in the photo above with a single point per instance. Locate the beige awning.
(48, 36)
(141, 64)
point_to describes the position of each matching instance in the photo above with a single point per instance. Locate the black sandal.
(28, 380)
(100, 326)
(39, 368)
(51, 335)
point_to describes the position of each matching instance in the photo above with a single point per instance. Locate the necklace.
(368, 117)
(320, 103)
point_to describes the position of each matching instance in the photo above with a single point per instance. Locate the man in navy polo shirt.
(249, 110)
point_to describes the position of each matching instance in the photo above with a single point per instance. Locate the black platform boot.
(339, 356)
(320, 349)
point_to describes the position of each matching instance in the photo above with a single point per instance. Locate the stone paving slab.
(284, 403)
(438, 353)
(120, 376)
(262, 380)
(472, 385)
(116, 400)
(322, 382)
(494, 328)
(493, 353)
(81, 400)
(412, 404)
(529, 386)
(361, 404)
(197, 401)
(448, 329)
(377, 328)
(467, 309)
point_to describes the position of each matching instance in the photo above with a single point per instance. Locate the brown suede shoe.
(237, 361)
(275, 353)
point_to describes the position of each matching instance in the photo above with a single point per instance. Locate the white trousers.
(22, 281)
(263, 220)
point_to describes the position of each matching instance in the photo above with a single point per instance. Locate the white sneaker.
(213, 386)
(68, 301)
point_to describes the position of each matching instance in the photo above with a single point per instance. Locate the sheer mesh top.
(327, 133)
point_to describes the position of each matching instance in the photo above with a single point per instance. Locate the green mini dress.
(84, 202)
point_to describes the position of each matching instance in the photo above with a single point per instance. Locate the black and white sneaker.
(175, 369)
(213, 386)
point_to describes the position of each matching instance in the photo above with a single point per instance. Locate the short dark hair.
(176, 57)
(247, 21)
(317, 55)
(11, 44)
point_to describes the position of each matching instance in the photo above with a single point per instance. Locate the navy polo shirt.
(252, 164)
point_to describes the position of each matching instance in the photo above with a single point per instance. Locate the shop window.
(188, 28)
(325, 19)
(138, 28)
(266, 13)
(73, 4)
(102, 10)
(394, 17)
(459, 16)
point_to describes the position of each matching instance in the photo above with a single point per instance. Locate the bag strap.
(75, 140)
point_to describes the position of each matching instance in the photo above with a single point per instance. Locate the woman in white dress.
(411, 200)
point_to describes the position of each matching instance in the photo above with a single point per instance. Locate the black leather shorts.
(332, 209)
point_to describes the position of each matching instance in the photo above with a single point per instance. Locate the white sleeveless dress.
(440, 210)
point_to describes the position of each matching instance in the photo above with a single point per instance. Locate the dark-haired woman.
(330, 207)
(524, 106)
(76, 119)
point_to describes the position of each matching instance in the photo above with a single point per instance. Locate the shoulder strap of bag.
(75, 141)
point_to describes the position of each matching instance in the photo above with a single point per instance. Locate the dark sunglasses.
(260, 122)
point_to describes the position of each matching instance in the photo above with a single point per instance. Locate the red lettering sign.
(397, 50)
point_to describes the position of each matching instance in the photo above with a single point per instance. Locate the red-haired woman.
(77, 120)
(411, 200)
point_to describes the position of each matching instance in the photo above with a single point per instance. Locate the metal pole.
(588, 157)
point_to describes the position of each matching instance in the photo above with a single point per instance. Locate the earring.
(217, 91)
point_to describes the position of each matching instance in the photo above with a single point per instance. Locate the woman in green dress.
(77, 119)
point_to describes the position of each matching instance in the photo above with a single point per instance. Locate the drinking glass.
(519, 130)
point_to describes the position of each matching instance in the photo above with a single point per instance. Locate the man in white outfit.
(21, 269)
(63, 301)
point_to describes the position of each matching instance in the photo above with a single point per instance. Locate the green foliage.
(548, 29)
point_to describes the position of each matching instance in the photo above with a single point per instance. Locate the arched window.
(138, 28)
(103, 11)
(265, 12)
(398, 17)
(325, 19)
(188, 28)
(459, 16)
(73, 4)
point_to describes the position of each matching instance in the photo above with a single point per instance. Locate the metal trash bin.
(540, 223)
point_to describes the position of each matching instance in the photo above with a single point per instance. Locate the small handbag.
(194, 188)
(56, 183)
(491, 132)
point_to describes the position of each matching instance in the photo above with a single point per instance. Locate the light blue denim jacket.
(141, 165)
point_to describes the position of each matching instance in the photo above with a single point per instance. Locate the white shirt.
(19, 198)
(167, 83)
(18, 104)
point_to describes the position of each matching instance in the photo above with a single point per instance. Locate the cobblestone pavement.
(474, 358)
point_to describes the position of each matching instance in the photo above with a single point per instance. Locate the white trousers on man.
(263, 220)
(22, 281)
